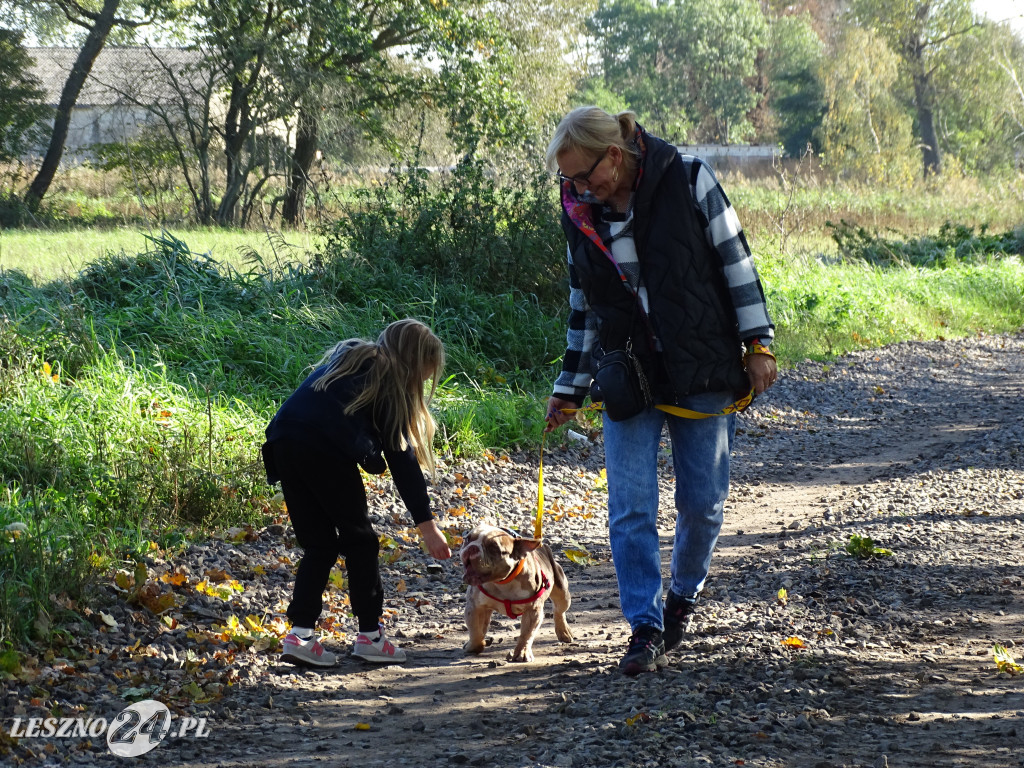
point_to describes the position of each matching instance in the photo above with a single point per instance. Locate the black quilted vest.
(691, 311)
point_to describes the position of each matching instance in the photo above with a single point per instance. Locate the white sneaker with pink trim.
(308, 652)
(379, 651)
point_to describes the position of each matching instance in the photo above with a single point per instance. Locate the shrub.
(464, 225)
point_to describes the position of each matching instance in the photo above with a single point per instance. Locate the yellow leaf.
(1005, 662)
(124, 580)
(175, 579)
(362, 726)
(783, 596)
(579, 556)
(794, 642)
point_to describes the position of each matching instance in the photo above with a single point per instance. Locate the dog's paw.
(470, 647)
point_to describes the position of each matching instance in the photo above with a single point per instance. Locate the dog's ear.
(522, 547)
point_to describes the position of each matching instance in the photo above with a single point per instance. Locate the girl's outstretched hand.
(436, 543)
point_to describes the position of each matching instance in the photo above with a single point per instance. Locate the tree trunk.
(926, 119)
(94, 43)
(238, 128)
(307, 140)
(924, 103)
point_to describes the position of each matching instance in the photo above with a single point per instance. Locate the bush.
(954, 243)
(462, 226)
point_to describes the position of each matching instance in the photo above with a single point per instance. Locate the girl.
(362, 399)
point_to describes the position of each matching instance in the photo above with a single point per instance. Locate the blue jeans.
(700, 456)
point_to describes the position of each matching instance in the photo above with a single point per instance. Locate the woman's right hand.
(556, 415)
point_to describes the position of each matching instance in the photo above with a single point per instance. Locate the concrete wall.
(747, 159)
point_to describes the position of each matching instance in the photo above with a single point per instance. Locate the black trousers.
(327, 506)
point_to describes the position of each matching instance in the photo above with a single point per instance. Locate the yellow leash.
(673, 410)
(538, 523)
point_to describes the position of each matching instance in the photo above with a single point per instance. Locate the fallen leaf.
(1004, 661)
(579, 556)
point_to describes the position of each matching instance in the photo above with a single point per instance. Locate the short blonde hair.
(591, 130)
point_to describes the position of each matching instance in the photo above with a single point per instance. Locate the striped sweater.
(725, 235)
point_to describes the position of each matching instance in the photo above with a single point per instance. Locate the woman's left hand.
(762, 371)
(436, 543)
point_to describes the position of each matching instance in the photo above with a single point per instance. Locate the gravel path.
(801, 655)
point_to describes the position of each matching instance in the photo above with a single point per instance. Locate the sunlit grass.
(47, 254)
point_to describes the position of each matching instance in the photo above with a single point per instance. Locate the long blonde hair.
(591, 130)
(405, 355)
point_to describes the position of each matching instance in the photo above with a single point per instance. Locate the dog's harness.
(545, 585)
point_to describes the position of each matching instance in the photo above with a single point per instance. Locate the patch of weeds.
(954, 243)
(863, 548)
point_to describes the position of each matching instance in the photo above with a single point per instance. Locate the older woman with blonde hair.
(660, 277)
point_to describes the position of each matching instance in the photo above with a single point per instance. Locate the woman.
(658, 264)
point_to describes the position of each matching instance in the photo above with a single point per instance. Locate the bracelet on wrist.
(757, 348)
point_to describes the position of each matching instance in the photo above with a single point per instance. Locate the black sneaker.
(677, 612)
(646, 652)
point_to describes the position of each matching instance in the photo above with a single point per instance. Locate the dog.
(514, 575)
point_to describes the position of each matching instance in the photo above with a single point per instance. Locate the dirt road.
(810, 648)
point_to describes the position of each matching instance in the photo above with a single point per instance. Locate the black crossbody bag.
(622, 383)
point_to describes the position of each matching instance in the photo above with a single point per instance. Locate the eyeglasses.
(583, 178)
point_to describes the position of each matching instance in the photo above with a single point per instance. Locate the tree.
(547, 48)
(635, 39)
(1010, 58)
(720, 40)
(921, 33)
(977, 88)
(687, 68)
(865, 132)
(278, 59)
(796, 96)
(20, 94)
(98, 18)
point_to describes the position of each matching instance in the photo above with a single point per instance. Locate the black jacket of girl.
(318, 416)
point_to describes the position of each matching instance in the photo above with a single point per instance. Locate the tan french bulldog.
(516, 576)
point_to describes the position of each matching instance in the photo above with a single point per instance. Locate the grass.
(49, 254)
(140, 371)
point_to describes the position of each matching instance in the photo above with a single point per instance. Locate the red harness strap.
(545, 585)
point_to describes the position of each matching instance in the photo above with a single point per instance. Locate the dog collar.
(515, 572)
